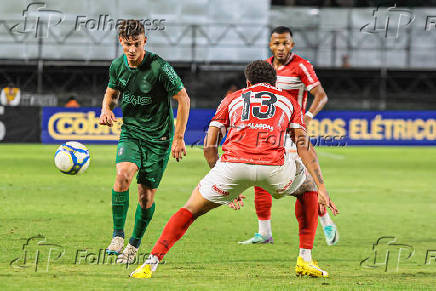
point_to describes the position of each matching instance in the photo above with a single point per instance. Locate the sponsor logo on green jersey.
(136, 99)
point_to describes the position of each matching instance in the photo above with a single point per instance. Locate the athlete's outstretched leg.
(175, 228)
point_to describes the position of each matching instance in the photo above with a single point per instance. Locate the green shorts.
(150, 159)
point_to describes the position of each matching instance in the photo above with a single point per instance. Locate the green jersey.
(145, 97)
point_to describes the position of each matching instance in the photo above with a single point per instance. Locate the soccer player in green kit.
(144, 83)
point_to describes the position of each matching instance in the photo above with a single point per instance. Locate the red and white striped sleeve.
(221, 118)
(297, 120)
(308, 75)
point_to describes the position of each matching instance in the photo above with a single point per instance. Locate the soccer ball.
(72, 158)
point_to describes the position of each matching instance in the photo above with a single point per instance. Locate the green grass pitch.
(380, 191)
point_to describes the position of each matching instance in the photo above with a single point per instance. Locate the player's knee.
(197, 212)
(198, 205)
(123, 180)
(145, 200)
(193, 208)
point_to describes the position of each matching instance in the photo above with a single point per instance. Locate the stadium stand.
(209, 42)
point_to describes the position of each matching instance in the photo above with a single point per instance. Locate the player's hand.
(178, 149)
(237, 203)
(107, 117)
(307, 120)
(325, 201)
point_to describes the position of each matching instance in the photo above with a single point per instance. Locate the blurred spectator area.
(348, 88)
(204, 31)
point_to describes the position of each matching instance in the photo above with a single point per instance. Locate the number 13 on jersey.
(261, 99)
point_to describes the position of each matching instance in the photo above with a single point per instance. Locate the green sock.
(120, 205)
(142, 219)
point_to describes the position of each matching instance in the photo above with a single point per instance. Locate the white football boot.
(128, 256)
(116, 246)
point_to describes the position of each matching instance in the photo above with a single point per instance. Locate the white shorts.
(226, 181)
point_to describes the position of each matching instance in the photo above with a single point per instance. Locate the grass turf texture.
(380, 191)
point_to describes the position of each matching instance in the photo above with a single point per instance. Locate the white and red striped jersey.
(257, 118)
(296, 77)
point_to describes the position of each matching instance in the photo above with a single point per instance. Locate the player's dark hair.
(130, 28)
(282, 29)
(260, 72)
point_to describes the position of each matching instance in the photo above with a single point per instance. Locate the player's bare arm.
(310, 159)
(178, 148)
(211, 142)
(110, 100)
(319, 101)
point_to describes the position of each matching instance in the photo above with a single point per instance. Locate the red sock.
(321, 213)
(173, 231)
(306, 212)
(263, 203)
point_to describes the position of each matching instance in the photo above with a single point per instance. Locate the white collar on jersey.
(265, 85)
